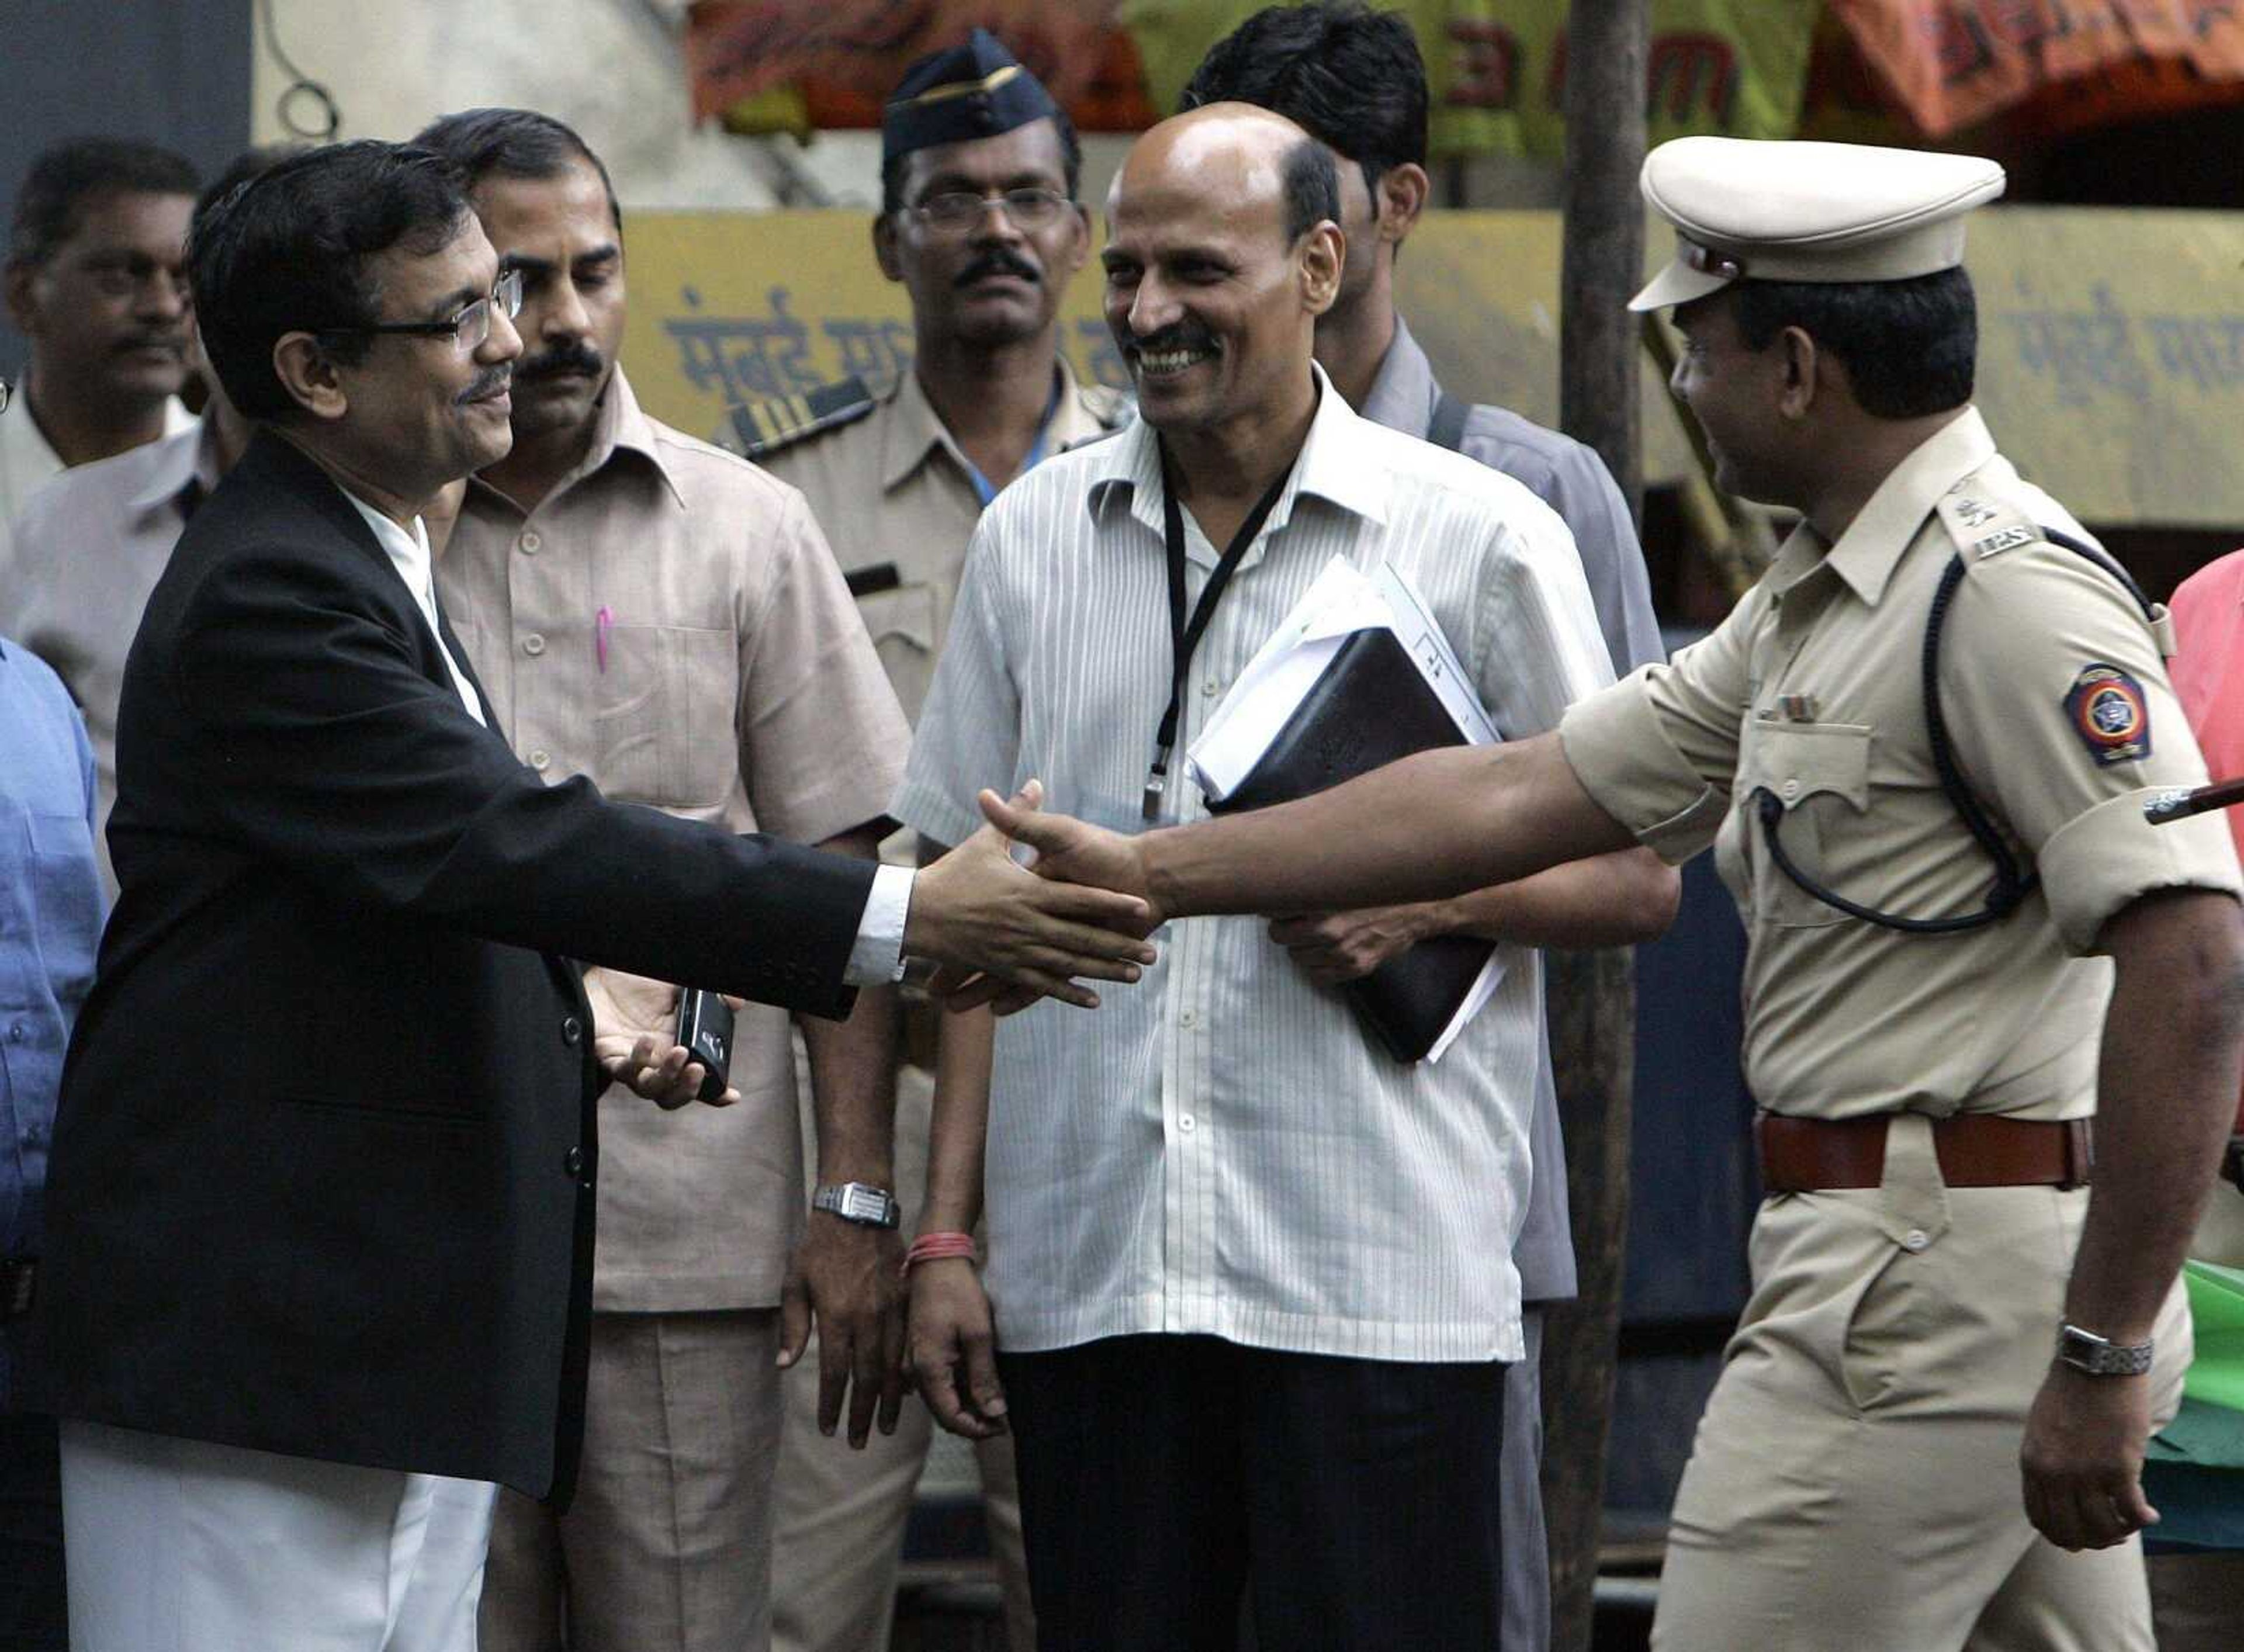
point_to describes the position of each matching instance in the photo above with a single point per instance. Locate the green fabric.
(2216, 1306)
(1495, 67)
(2207, 1435)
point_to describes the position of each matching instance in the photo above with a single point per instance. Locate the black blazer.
(322, 1170)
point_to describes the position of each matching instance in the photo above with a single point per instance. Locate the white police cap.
(1782, 211)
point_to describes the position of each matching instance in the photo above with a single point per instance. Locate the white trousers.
(180, 1545)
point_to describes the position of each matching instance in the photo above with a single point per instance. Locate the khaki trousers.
(1855, 1480)
(840, 1515)
(668, 1546)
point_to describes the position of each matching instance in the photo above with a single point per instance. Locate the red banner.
(2053, 65)
(844, 55)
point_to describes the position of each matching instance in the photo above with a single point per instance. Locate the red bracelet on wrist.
(937, 1247)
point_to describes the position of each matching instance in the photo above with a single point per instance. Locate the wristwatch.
(2099, 1356)
(858, 1201)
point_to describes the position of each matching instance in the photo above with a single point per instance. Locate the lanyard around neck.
(1184, 633)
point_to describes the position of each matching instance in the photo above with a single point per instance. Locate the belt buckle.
(18, 1288)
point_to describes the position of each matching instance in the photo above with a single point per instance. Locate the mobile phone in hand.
(704, 1027)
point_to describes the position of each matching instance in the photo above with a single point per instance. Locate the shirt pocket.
(1819, 776)
(66, 883)
(663, 728)
(900, 621)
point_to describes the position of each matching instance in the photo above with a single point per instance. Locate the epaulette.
(1981, 525)
(784, 420)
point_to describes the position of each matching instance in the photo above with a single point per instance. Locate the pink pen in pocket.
(603, 622)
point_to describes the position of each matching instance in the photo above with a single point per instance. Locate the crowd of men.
(425, 715)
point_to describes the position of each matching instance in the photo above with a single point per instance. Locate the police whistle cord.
(2179, 803)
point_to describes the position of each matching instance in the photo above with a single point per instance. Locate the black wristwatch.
(859, 1202)
(2097, 1356)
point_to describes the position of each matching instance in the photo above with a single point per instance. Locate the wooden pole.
(1592, 995)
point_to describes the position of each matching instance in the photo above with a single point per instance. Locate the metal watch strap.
(858, 1201)
(2097, 1356)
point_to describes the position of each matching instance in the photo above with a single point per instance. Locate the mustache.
(573, 356)
(172, 338)
(997, 261)
(490, 382)
(1184, 336)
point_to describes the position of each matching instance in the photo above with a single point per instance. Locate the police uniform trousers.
(667, 1545)
(1855, 1481)
(182, 1546)
(840, 1515)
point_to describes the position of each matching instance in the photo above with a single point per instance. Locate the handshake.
(999, 934)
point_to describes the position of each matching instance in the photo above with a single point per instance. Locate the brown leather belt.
(1975, 1149)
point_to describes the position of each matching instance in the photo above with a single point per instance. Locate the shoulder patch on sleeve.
(766, 426)
(2110, 714)
(1981, 525)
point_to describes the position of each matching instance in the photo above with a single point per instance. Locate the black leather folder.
(1369, 707)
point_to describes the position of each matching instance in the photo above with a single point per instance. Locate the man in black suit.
(319, 1242)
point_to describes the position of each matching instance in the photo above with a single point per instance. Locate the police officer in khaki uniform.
(1966, 938)
(979, 223)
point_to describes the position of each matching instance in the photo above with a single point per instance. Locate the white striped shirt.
(1220, 1148)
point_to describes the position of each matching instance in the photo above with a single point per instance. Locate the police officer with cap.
(1991, 1011)
(980, 224)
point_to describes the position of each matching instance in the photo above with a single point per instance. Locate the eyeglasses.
(957, 209)
(468, 330)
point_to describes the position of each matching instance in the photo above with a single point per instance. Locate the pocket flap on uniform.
(1797, 761)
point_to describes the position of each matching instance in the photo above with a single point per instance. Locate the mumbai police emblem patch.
(2110, 714)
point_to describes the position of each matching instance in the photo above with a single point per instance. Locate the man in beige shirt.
(979, 223)
(1948, 973)
(647, 610)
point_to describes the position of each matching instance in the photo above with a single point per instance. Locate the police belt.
(1975, 1150)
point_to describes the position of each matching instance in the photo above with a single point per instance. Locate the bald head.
(1222, 253)
(1251, 158)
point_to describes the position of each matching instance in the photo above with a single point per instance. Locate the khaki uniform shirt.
(670, 622)
(893, 487)
(1811, 689)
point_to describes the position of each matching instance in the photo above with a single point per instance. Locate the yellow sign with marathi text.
(2111, 343)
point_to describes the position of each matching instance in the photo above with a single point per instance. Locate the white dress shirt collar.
(416, 565)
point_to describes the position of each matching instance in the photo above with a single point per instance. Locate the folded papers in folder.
(1358, 675)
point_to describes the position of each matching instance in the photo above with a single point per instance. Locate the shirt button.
(31, 1133)
(1186, 1123)
(1792, 788)
(1189, 1019)
(571, 1030)
(15, 1033)
(1917, 1239)
(1210, 688)
(541, 759)
(533, 645)
(528, 542)
(573, 1163)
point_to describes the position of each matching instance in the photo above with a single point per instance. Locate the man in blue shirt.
(49, 922)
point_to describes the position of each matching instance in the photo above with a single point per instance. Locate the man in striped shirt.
(1250, 1279)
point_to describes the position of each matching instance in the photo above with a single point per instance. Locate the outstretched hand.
(635, 1023)
(1069, 853)
(1021, 936)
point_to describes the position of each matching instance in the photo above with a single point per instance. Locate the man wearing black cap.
(979, 223)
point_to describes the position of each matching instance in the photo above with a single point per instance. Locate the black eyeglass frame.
(506, 294)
